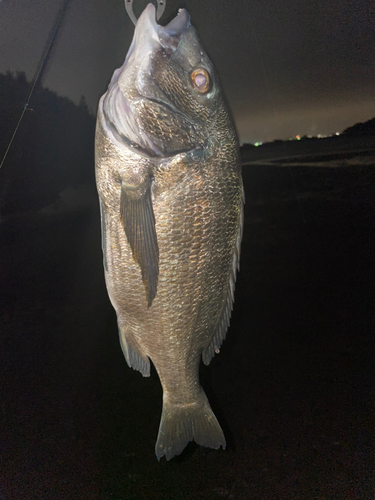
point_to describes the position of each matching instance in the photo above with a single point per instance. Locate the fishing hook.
(159, 12)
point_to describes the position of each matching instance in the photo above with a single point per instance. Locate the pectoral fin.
(139, 223)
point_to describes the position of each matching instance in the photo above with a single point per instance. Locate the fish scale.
(169, 181)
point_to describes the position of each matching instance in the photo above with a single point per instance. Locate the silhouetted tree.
(366, 128)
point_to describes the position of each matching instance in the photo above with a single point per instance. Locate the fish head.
(166, 96)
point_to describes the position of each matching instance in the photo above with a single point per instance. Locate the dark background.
(293, 386)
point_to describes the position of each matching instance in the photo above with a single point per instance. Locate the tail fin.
(183, 423)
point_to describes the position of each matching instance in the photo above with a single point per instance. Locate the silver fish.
(169, 181)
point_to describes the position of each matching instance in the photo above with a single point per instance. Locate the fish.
(170, 189)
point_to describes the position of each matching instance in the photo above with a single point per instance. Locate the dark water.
(293, 386)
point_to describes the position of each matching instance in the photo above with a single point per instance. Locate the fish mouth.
(178, 23)
(168, 36)
(119, 107)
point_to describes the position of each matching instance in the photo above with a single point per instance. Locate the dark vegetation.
(366, 128)
(53, 147)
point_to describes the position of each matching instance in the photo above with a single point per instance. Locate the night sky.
(287, 67)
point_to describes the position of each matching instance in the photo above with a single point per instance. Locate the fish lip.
(147, 23)
(174, 28)
(170, 35)
(178, 24)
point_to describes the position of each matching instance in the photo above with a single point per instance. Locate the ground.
(293, 385)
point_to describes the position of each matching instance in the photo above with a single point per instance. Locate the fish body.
(169, 181)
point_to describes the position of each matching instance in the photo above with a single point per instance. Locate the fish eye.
(201, 80)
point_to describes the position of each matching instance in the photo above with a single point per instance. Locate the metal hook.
(159, 12)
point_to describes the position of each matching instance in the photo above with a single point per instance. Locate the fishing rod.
(41, 67)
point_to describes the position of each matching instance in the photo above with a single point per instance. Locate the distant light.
(258, 143)
(298, 137)
(337, 133)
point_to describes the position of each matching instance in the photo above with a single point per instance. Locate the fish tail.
(183, 423)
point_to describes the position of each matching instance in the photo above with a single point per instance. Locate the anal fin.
(133, 357)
